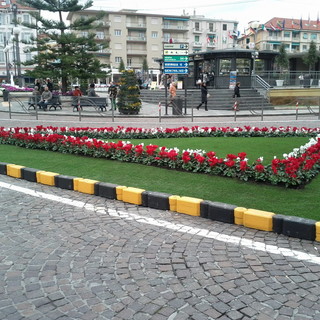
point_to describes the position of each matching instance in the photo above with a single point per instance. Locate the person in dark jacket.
(236, 92)
(204, 96)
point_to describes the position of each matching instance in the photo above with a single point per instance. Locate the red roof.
(293, 24)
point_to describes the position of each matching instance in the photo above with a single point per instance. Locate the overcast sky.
(239, 10)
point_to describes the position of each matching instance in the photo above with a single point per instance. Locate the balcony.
(175, 27)
(136, 25)
(211, 45)
(103, 53)
(211, 31)
(197, 30)
(136, 39)
(102, 24)
(136, 52)
(197, 44)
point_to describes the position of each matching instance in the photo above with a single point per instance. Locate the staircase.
(220, 99)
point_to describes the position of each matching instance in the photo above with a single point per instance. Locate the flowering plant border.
(293, 170)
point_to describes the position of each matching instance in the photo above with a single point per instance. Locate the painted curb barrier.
(291, 226)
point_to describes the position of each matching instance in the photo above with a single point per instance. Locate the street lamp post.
(6, 51)
(16, 32)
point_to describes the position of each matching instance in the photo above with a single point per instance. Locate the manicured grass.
(298, 202)
(255, 147)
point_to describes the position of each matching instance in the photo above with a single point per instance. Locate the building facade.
(211, 34)
(11, 50)
(134, 37)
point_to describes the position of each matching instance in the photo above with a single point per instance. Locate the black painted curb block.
(29, 174)
(3, 168)
(156, 200)
(222, 212)
(299, 228)
(64, 182)
(106, 190)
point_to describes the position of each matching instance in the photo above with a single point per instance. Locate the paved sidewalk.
(67, 255)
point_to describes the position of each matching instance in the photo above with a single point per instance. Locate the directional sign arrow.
(175, 58)
(176, 46)
(176, 70)
(176, 52)
(176, 64)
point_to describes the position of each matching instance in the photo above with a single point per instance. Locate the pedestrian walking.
(204, 96)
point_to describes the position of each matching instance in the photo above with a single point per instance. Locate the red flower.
(259, 167)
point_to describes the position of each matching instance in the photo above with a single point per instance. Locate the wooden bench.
(98, 103)
(53, 103)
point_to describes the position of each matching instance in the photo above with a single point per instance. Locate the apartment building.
(9, 68)
(296, 34)
(135, 37)
(211, 34)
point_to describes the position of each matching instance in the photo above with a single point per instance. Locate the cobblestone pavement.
(68, 255)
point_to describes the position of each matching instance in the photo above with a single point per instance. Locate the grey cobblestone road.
(67, 255)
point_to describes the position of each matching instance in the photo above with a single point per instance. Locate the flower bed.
(293, 170)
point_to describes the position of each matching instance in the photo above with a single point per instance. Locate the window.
(166, 37)
(287, 46)
(304, 47)
(211, 26)
(26, 37)
(117, 32)
(197, 26)
(286, 34)
(224, 27)
(225, 66)
(305, 36)
(313, 36)
(196, 38)
(1, 19)
(129, 62)
(117, 59)
(154, 34)
(28, 56)
(100, 35)
(84, 34)
(26, 18)
(2, 58)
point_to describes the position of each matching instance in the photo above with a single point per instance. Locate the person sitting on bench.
(46, 96)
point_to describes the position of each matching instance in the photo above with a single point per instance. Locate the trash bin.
(177, 106)
(5, 95)
(307, 81)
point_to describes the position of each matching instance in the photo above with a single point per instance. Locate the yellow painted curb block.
(119, 192)
(238, 215)
(45, 177)
(188, 205)
(258, 219)
(85, 185)
(14, 170)
(132, 195)
(318, 231)
(76, 183)
(173, 202)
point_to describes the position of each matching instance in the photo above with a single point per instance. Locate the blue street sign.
(175, 58)
(176, 70)
(176, 64)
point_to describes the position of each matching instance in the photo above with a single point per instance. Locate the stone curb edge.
(291, 226)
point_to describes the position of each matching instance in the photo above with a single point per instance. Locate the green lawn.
(298, 202)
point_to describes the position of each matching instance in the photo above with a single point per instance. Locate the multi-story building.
(135, 37)
(210, 34)
(296, 34)
(11, 50)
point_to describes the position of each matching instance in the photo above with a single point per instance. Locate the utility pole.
(16, 32)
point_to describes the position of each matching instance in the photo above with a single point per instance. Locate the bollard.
(297, 109)
(235, 108)
(159, 107)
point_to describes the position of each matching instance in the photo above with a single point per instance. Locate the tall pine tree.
(61, 53)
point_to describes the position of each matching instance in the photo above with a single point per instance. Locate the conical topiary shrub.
(129, 95)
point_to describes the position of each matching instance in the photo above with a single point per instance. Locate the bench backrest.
(89, 100)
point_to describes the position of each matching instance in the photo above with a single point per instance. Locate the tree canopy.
(63, 53)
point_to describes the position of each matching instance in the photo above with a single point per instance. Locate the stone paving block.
(173, 202)
(258, 219)
(119, 191)
(156, 200)
(14, 170)
(105, 190)
(238, 215)
(3, 167)
(64, 182)
(222, 212)
(317, 231)
(299, 228)
(188, 205)
(132, 195)
(85, 185)
(45, 177)
(29, 174)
